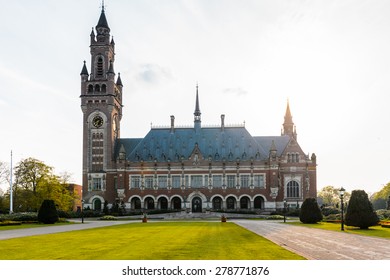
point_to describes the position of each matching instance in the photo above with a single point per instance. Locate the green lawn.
(160, 240)
(32, 225)
(375, 231)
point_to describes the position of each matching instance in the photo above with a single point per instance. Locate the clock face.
(97, 121)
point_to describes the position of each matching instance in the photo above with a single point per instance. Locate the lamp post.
(342, 191)
(82, 211)
(284, 210)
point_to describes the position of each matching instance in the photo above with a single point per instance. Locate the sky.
(330, 59)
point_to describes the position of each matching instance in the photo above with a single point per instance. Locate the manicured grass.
(160, 240)
(375, 231)
(32, 225)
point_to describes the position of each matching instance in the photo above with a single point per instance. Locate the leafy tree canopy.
(331, 195)
(384, 193)
(35, 181)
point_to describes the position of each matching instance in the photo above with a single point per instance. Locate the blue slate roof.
(229, 144)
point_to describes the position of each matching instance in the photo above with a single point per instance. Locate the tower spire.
(288, 125)
(197, 112)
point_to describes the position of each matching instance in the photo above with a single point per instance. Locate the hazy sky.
(331, 59)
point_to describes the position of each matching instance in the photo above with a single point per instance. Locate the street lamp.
(82, 211)
(342, 191)
(284, 210)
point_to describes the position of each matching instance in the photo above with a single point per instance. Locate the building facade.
(197, 168)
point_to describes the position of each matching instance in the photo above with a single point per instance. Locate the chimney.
(172, 123)
(222, 122)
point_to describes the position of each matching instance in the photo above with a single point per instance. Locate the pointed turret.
(93, 37)
(119, 80)
(111, 68)
(273, 151)
(288, 125)
(102, 29)
(84, 71)
(102, 23)
(197, 112)
(122, 152)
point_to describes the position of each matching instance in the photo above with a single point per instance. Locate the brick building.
(194, 168)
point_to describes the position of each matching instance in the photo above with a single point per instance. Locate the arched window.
(293, 189)
(90, 88)
(99, 67)
(104, 88)
(97, 88)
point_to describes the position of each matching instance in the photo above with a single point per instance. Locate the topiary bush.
(360, 212)
(47, 213)
(310, 212)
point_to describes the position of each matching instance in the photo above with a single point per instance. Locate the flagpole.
(11, 208)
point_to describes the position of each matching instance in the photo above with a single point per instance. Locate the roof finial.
(103, 6)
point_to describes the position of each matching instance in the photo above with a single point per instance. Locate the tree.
(310, 212)
(35, 182)
(379, 199)
(331, 195)
(4, 172)
(360, 212)
(47, 213)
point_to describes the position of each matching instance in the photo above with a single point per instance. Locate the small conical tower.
(288, 125)
(197, 113)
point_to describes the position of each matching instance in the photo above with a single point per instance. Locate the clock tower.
(101, 104)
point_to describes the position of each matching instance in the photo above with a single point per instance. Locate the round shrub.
(47, 213)
(310, 212)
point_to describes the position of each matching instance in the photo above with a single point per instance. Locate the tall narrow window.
(293, 189)
(99, 67)
(135, 182)
(196, 181)
(244, 181)
(231, 181)
(258, 181)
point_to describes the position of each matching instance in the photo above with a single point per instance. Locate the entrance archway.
(97, 205)
(135, 203)
(196, 205)
(217, 203)
(163, 202)
(244, 203)
(231, 203)
(258, 202)
(149, 203)
(176, 202)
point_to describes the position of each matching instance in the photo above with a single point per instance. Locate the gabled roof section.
(162, 145)
(279, 142)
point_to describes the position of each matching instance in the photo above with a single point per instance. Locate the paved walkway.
(318, 244)
(315, 244)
